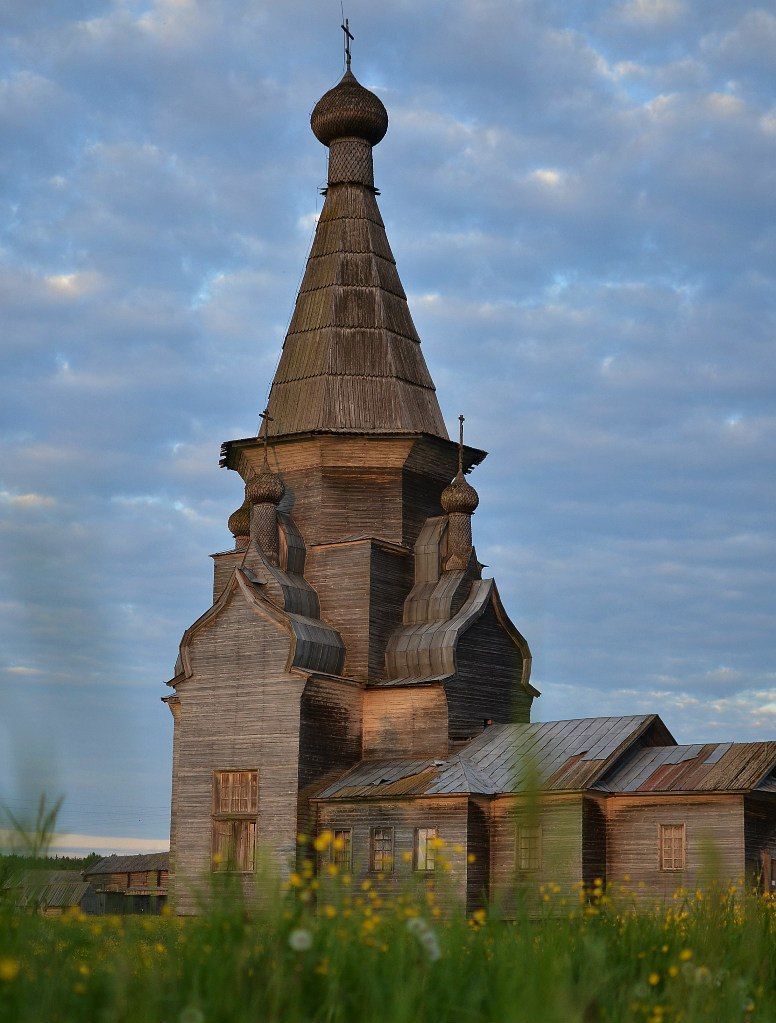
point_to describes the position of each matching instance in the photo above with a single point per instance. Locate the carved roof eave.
(231, 449)
(293, 624)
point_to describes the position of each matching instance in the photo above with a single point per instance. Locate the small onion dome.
(239, 522)
(349, 110)
(266, 487)
(460, 496)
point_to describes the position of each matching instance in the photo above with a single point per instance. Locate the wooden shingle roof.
(351, 360)
(135, 862)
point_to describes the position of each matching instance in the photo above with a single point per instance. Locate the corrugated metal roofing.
(47, 889)
(130, 864)
(713, 767)
(554, 755)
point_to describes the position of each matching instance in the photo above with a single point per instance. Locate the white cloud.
(29, 500)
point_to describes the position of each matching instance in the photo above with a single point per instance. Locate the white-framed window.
(424, 852)
(235, 808)
(529, 848)
(671, 841)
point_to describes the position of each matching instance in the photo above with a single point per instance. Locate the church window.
(235, 807)
(425, 848)
(381, 850)
(672, 846)
(342, 848)
(529, 848)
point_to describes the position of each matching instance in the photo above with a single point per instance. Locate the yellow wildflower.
(685, 955)
(9, 969)
(654, 978)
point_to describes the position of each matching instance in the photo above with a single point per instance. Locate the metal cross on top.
(266, 419)
(461, 420)
(347, 36)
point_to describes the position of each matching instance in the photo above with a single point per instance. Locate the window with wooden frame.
(381, 850)
(671, 839)
(424, 852)
(529, 848)
(342, 848)
(235, 808)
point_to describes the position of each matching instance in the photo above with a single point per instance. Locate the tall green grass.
(327, 948)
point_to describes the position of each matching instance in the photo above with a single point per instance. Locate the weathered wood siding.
(478, 852)
(390, 581)
(406, 721)
(340, 573)
(330, 728)
(593, 840)
(759, 832)
(223, 566)
(448, 815)
(238, 711)
(714, 841)
(560, 818)
(487, 681)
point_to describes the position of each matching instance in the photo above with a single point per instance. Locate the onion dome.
(265, 487)
(460, 496)
(349, 111)
(239, 522)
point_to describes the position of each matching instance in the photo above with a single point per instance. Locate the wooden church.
(356, 672)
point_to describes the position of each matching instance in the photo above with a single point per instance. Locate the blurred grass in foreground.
(327, 948)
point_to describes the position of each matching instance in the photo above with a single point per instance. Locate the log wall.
(487, 680)
(407, 721)
(238, 711)
(560, 818)
(449, 815)
(714, 841)
(759, 835)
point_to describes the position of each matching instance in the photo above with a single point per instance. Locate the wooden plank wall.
(487, 680)
(593, 839)
(759, 831)
(391, 578)
(330, 728)
(230, 719)
(407, 721)
(224, 564)
(478, 847)
(714, 836)
(560, 819)
(448, 815)
(340, 573)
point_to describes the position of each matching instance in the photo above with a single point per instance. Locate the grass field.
(328, 949)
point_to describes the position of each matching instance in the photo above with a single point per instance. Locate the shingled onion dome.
(239, 524)
(349, 119)
(265, 487)
(460, 496)
(349, 111)
(459, 500)
(265, 491)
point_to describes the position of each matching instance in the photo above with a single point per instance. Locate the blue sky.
(580, 198)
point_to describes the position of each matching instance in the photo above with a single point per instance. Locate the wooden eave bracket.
(230, 449)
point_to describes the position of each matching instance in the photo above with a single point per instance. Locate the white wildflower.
(191, 1014)
(418, 927)
(300, 940)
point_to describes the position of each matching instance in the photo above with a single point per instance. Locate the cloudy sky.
(580, 198)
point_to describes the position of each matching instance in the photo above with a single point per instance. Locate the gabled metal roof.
(709, 767)
(555, 756)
